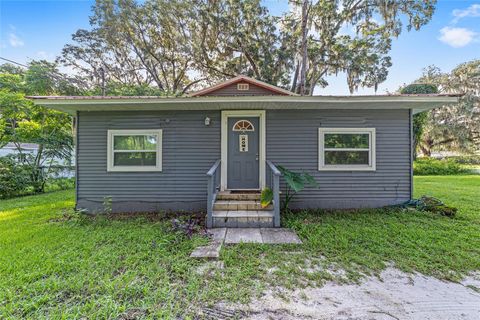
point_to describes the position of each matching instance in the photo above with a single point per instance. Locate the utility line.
(11, 61)
(52, 73)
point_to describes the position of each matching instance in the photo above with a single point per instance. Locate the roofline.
(171, 98)
(417, 103)
(242, 78)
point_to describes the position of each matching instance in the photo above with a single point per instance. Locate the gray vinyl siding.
(190, 148)
(292, 141)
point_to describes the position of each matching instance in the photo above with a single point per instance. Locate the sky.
(39, 30)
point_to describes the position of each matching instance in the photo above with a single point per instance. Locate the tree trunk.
(295, 78)
(304, 30)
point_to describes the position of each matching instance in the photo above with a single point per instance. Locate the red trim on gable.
(238, 79)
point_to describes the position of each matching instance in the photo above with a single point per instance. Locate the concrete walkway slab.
(246, 235)
(279, 236)
(261, 235)
(212, 251)
(218, 234)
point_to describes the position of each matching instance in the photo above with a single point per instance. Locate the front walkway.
(222, 236)
(255, 235)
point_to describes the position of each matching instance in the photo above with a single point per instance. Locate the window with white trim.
(346, 149)
(134, 150)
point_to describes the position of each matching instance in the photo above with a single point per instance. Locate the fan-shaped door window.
(243, 125)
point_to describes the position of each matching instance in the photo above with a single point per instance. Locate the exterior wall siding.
(292, 142)
(190, 148)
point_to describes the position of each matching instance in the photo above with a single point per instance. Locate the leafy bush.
(14, 178)
(473, 159)
(419, 88)
(188, 225)
(420, 120)
(431, 166)
(56, 184)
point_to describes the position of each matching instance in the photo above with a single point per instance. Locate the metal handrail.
(275, 180)
(274, 169)
(211, 191)
(214, 168)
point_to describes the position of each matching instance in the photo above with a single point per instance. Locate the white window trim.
(112, 133)
(322, 149)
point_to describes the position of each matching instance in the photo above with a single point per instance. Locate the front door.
(243, 153)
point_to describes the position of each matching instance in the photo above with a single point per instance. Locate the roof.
(416, 102)
(171, 97)
(273, 90)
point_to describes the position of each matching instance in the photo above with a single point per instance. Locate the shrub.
(14, 178)
(419, 88)
(188, 225)
(431, 166)
(472, 159)
(56, 184)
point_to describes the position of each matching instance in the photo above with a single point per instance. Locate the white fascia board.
(416, 103)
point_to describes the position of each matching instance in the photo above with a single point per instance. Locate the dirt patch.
(392, 295)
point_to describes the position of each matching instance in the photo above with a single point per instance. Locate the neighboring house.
(215, 149)
(63, 168)
(11, 148)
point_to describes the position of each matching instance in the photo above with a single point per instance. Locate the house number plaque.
(243, 139)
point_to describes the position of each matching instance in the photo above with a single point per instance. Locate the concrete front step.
(228, 195)
(243, 219)
(239, 205)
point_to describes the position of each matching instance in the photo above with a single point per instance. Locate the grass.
(57, 264)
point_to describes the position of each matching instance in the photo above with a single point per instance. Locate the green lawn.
(57, 264)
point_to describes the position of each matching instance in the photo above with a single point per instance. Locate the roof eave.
(416, 103)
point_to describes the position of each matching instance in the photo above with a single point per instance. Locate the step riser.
(243, 222)
(239, 197)
(240, 206)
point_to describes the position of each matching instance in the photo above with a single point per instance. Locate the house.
(11, 149)
(63, 167)
(215, 149)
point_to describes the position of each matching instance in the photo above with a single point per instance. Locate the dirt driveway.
(395, 295)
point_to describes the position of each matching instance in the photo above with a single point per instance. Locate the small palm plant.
(296, 182)
(266, 197)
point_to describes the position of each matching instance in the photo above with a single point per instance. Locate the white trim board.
(262, 143)
(371, 150)
(111, 133)
(416, 103)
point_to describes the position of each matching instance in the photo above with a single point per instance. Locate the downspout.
(77, 122)
(410, 124)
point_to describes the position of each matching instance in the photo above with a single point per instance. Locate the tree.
(454, 127)
(352, 37)
(241, 37)
(21, 121)
(136, 43)
(176, 45)
(419, 119)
